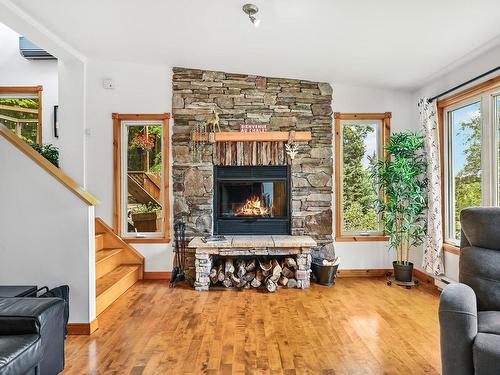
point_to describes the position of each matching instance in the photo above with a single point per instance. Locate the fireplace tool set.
(178, 273)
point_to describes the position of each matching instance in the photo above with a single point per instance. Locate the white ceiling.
(385, 43)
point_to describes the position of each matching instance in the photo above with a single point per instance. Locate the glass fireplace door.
(252, 200)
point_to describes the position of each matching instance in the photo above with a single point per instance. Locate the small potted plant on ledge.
(402, 182)
(146, 217)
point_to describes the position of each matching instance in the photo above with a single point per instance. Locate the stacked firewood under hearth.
(254, 273)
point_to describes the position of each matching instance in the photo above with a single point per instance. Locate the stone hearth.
(238, 246)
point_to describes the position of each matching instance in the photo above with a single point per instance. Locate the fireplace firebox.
(252, 200)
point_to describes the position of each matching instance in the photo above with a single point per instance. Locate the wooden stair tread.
(107, 281)
(106, 253)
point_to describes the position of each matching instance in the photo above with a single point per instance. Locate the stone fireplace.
(297, 201)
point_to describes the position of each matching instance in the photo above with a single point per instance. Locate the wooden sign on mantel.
(299, 136)
(253, 128)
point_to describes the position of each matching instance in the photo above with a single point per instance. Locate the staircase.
(118, 266)
(144, 187)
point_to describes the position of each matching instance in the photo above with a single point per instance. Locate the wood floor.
(359, 326)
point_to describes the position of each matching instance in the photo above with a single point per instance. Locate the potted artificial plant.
(401, 178)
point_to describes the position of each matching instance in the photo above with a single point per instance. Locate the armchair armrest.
(458, 328)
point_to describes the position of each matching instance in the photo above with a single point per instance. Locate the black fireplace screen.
(252, 200)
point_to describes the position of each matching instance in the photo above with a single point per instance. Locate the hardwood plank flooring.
(359, 326)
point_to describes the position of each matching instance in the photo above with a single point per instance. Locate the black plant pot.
(324, 275)
(403, 271)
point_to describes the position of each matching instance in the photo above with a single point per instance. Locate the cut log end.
(270, 285)
(292, 283)
(283, 280)
(255, 273)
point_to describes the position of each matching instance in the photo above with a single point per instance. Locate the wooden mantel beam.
(255, 137)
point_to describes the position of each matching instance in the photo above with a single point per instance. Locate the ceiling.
(382, 43)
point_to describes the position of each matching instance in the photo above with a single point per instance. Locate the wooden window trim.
(117, 167)
(386, 133)
(442, 104)
(37, 90)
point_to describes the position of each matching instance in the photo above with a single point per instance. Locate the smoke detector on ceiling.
(251, 10)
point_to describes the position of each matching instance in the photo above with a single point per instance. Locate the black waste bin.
(324, 275)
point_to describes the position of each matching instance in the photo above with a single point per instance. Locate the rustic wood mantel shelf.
(255, 137)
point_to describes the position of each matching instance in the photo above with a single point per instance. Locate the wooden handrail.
(67, 181)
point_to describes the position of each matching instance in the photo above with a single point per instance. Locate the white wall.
(453, 76)
(138, 89)
(72, 119)
(15, 70)
(46, 233)
(346, 98)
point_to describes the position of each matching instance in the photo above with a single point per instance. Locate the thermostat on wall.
(108, 83)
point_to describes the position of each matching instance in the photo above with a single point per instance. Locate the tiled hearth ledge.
(299, 246)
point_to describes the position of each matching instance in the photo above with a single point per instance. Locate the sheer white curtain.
(433, 244)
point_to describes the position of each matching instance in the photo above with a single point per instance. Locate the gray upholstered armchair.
(469, 312)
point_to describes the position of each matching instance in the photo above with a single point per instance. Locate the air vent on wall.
(30, 51)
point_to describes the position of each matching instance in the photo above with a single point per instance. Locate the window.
(360, 140)
(141, 177)
(497, 122)
(21, 111)
(470, 131)
(464, 163)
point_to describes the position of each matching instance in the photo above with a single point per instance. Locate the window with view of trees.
(20, 111)
(359, 143)
(471, 139)
(143, 172)
(464, 166)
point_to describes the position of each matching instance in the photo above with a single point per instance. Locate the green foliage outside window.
(140, 153)
(468, 179)
(359, 193)
(146, 208)
(28, 130)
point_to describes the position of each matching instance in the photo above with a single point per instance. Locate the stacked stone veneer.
(283, 104)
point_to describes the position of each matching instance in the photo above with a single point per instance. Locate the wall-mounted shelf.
(255, 137)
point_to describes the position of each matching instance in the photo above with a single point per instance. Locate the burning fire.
(253, 207)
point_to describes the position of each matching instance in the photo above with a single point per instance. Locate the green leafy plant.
(146, 208)
(48, 151)
(401, 179)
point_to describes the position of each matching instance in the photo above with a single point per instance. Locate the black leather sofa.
(31, 336)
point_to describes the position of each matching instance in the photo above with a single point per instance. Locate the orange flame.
(253, 207)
